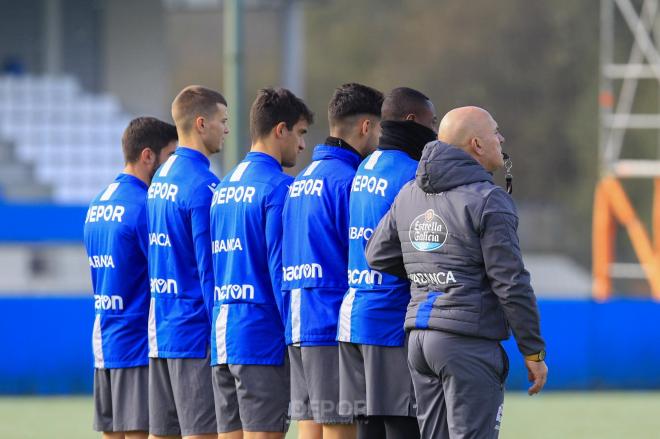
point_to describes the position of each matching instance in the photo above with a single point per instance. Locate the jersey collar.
(254, 156)
(184, 151)
(131, 179)
(322, 152)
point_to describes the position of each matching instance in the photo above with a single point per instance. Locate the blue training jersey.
(315, 245)
(246, 233)
(180, 267)
(116, 242)
(374, 307)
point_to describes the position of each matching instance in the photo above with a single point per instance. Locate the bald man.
(453, 233)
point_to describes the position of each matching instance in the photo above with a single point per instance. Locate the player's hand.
(537, 373)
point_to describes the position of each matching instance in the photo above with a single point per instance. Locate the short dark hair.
(275, 105)
(146, 132)
(352, 99)
(403, 101)
(194, 101)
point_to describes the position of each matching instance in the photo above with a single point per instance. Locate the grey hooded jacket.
(453, 233)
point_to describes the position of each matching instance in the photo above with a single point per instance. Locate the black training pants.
(459, 384)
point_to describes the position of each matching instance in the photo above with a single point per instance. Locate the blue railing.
(29, 222)
(45, 345)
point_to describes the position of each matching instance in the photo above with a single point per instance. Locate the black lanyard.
(508, 176)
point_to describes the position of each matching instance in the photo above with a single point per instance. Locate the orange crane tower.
(612, 205)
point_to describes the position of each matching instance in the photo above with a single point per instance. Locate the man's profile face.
(374, 135)
(492, 141)
(217, 129)
(162, 157)
(294, 143)
(166, 152)
(428, 117)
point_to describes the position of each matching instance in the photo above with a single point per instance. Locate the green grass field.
(595, 415)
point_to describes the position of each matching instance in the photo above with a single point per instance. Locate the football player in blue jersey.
(315, 259)
(181, 271)
(116, 240)
(248, 353)
(374, 375)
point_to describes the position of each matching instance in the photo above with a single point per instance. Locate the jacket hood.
(444, 167)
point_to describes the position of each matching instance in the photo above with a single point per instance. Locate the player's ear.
(199, 123)
(280, 130)
(476, 146)
(365, 126)
(148, 156)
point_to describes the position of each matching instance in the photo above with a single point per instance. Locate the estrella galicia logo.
(428, 232)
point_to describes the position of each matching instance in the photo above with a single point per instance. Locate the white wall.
(44, 269)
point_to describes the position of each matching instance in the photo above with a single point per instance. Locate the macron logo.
(370, 277)
(233, 291)
(163, 286)
(302, 271)
(105, 302)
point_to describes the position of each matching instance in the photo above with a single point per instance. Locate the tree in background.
(532, 64)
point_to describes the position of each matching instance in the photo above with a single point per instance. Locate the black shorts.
(375, 381)
(251, 397)
(181, 397)
(315, 385)
(121, 399)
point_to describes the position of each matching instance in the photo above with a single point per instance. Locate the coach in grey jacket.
(453, 233)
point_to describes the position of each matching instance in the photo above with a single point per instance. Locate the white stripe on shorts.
(345, 316)
(97, 343)
(221, 334)
(295, 315)
(153, 342)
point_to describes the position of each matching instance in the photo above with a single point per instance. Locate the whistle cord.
(508, 176)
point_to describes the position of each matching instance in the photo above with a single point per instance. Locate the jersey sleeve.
(274, 231)
(342, 216)
(142, 230)
(200, 221)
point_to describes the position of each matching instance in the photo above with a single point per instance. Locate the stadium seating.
(70, 137)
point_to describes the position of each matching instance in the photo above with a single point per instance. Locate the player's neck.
(267, 148)
(355, 142)
(138, 172)
(194, 143)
